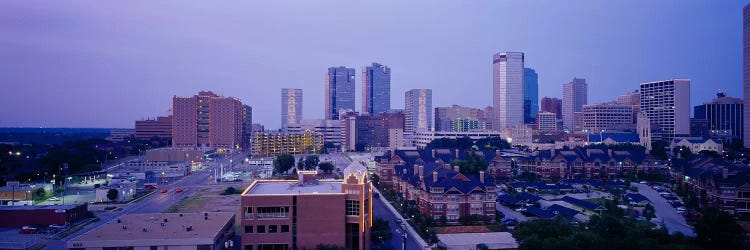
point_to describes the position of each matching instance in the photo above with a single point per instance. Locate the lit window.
(352, 207)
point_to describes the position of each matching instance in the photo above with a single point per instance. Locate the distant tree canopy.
(659, 149)
(326, 166)
(380, 232)
(466, 143)
(718, 230)
(112, 194)
(311, 161)
(471, 165)
(283, 163)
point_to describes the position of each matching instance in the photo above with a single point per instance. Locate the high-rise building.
(445, 116)
(308, 213)
(376, 89)
(161, 127)
(418, 110)
(724, 115)
(381, 131)
(507, 89)
(634, 100)
(667, 104)
(291, 107)
(607, 116)
(575, 95)
(247, 125)
(546, 121)
(339, 91)
(487, 115)
(330, 129)
(746, 72)
(552, 105)
(206, 120)
(530, 95)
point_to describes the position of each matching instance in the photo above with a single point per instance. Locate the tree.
(311, 161)
(718, 230)
(471, 165)
(649, 212)
(283, 163)
(326, 166)
(380, 232)
(112, 194)
(40, 192)
(528, 176)
(301, 164)
(375, 179)
(658, 149)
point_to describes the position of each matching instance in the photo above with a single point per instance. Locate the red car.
(28, 230)
(177, 190)
(163, 191)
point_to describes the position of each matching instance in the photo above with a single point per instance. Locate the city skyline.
(82, 54)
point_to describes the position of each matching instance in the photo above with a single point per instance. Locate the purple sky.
(106, 64)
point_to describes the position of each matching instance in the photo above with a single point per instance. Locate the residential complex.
(422, 138)
(530, 95)
(291, 107)
(339, 87)
(721, 184)
(272, 144)
(306, 213)
(376, 89)
(724, 116)
(418, 110)
(160, 127)
(507, 89)
(667, 104)
(575, 95)
(587, 163)
(206, 120)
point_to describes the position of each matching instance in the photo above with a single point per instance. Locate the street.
(665, 212)
(380, 211)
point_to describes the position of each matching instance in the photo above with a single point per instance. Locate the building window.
(248, 247)
(453, 208)
(273, 229)
(352, 207)
(261, 229)
(272, 212)
(248, 229)
(273, 247)
(437, 207)
(284, 228)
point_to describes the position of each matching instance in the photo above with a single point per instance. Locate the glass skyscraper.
(418, 110)
(575, 95)
(376, 89)
(530, 95)
(507, 89)
(339, 91)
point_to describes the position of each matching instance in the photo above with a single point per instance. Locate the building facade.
(667, 104)
(206, 120)
(746, 72)
(445, 116)
(724, 115)
(508, 89)
(247, 126)
(291, 107)
(422, 138)
(552, 105)
(579, 163)
(330, 129)
(160, 127)
(418, 110)
(367, 132)
(606, 117)
(339, 91)
(308, 212)
(546, 121)
(530, 95)
(376, 89)
(575, 95)
(273, 144)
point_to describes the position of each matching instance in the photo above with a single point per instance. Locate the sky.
(107, 64)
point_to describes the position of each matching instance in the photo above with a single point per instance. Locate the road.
(510, 213)
(380, 211)
(665, 212)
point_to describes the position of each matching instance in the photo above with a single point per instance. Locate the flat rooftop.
(39, 207)
(498, 240)
(292, 187)
(175, 229)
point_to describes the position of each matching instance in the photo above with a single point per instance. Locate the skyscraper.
(247, 125)
(507, 89)
(667, 104)
(575, 95)
(530, 95)
(418, 110)
(291, 107)
(206, 120)
(746, 71)
(552, 105)
(445, 116)
(724, 114)
(339, 91)
(376, 89)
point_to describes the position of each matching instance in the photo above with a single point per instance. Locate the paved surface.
(379, 210)
(665, 213)
(510, 213)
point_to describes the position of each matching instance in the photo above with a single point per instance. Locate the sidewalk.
(409, 229)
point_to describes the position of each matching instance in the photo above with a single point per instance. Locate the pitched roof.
(530, 197)
(540, 212)
(636, 197)
(557, 209)
(582, 203)
(507, 199)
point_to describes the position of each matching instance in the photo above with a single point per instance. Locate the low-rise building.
(696, 145)
(470, 241)
(18, 216)
(160, 127)
(715, 182)
(587, 163)
(209, 231)
(174, 155)
(275, 143)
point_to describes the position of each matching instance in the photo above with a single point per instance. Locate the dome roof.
(356, 169)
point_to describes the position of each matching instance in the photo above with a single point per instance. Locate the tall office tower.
(206, 120)
(507, 89)
(575, 95)
(746, 71)
(530, 95)
(724, 114)
(247, 125)
(291, 107)
(376, 89)
(418, 110)
(339, 91)
(667, 104)
(552, 105)
(445, 116)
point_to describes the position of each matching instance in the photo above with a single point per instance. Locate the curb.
(409, 229)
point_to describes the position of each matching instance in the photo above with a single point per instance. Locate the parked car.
(643, 182)
(28, 230)
(511, 222)
(178, 190)
(163, 191)
(665, 194)
(53, 198)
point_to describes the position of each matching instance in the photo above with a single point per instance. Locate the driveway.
(510, 213)
(665, 213)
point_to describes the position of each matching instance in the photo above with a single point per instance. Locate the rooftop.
(134, 227)
(499, 240)
(42, 207)
(292, 187)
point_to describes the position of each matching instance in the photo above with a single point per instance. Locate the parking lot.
(666, 214)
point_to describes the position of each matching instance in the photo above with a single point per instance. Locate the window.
(284, 228)
(272, 212)
(248, 229)
(261, 229)
(437, 207)
(273, 247)
(248, 247)
(352, 207)
(154, 248)
(273, 229)
(453, 208)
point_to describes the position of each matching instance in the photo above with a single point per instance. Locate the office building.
(306, 213)
(206, 120)
(247, 126)
(667, 104)
(418, 110)
(530, 95)
(160, 127)
(367, 132)
(507, 89)
(291, 107)
(746, 72)
(487, 116)
(211, 230)
(552, 105)
(700, 128)
(724, 115)
(376, 89)
(329, 129)
(422, 138)
(339, 91)
(547, 121)
(575, 95)
(272, 144)
(445, 116)
(607, 117)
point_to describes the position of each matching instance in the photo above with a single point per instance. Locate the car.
(511, 222)
(376, 195)
(28, 230)
(177, 190)
(399, 221)
(681, 209)
(53, 198)
(664, 194)
(643, 182)
(163, 191)
(57, 226)
(521, 209)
